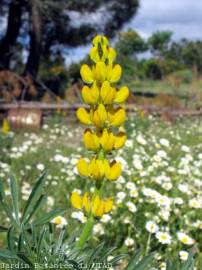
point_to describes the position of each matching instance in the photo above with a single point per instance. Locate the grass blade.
(34, 196)
(14, 195)
(134, 260)
(144, 263)
(37, 207)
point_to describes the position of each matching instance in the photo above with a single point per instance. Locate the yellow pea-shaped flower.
(99, 116)
(91, 140)
(83, 116)
(86, 74)
(107, 93)
(108, 205)
(111, 55)
(120, 139)
(100, 39)
(114, 73)
(107, 140)
(115, 171)
(100, 71)
(122, 95)
(117, 117)
(94, 54)
(76, 200)
(86, 202)
(90, 95)
(82, 167)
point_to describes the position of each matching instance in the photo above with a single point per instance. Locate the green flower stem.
(85, 233)
(148, 244)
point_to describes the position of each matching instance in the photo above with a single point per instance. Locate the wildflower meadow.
(111, 191)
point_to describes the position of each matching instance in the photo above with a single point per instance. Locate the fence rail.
(129, 107)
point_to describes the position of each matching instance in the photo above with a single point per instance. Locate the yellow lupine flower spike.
(104, 118)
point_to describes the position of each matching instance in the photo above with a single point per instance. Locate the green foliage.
(153, 69)
(35, 242)
(139, 263)
(159, 41)
(130, 43)
(177, 265)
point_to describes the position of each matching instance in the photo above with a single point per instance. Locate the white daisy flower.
(163, 237)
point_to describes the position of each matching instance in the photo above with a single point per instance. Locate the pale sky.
(183, 17)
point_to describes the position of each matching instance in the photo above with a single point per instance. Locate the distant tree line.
(166, 55)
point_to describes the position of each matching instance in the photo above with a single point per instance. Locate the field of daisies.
(158, 198)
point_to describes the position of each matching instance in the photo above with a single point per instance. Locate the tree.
(130, 43)
(51, 26)
(159, 42)
(13, 29)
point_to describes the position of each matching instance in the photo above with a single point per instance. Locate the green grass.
(189, 94)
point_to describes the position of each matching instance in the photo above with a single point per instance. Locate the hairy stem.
(85, 233)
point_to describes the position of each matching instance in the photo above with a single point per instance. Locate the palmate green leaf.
(15, 199)
(34, 196)
(47, 217)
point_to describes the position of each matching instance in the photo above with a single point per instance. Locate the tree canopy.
(47, 27)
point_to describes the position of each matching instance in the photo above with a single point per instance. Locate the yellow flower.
(114, 172)
(105, 140)
(86, 74)
(122, 95)
(5, 127)
(99, 116)
(102, 96)
(101, 50)
(102, 40)
(91, 140)
(107, 93)
(99, 169)
(116, 117)
(100, 73)
(90, 95)
(92, 205)
(83, 116)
